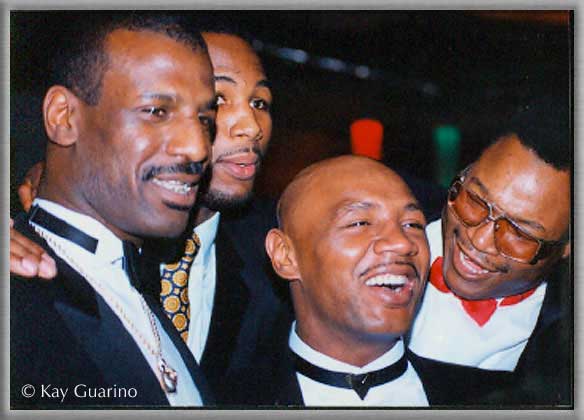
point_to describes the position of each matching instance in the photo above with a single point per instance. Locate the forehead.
(148, 55)
(231, 53)
(336, 190)
(522, 184)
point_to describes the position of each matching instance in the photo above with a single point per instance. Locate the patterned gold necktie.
(174, 294)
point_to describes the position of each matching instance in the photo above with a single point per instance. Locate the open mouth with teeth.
(467, 266)
(390, 281)
(394, 289)
(471, 266)
(174, 186)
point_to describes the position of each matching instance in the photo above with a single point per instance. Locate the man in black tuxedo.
(129, 118)
(231, 297)
(355, 253)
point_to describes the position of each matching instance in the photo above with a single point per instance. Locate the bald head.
(347, 225)
(343, 172)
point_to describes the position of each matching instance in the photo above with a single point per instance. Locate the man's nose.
(191, 139)
(395, 240)
(243, 124)
(482, 237)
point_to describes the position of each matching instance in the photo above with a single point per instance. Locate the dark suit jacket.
(246, 296)
(545, 371)
(63, 334)
(272, 380)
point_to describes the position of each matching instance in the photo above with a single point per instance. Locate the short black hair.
(545, 126)
(223, 23)
(81, 64)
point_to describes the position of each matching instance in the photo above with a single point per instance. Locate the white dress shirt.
(407, 390)
(105, 268)
(444, 331)
(202, 280)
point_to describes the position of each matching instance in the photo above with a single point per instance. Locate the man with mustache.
(230, 297)
(354, 251)
(129, 117)
(499, 290)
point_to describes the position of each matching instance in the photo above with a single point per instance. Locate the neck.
(355, 351)
(202, 214)
(46, 192)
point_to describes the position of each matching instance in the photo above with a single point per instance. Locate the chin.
(219, 200)
(167, 228)
(397, 327)
(465, 289)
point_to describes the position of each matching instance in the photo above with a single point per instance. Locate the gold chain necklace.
(167, 376)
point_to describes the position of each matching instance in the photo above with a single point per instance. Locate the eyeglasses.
(511, 240)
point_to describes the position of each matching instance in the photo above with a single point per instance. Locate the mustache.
(397, 262)
(246, 149)
(190, 168)
(503, 268)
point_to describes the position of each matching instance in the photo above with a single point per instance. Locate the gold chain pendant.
(168, 376)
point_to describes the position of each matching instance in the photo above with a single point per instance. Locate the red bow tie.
(479, 310)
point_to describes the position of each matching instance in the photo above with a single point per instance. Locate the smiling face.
(142, 147)
(244, 123)
(360, 255)
(529, 191)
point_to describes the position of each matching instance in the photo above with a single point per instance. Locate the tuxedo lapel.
(186, 354)
(229, 306)
(100, 332)
(288, 389)
(436, 391)
(556, 302)
(447, 384)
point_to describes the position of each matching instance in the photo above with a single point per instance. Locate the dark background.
(467, 69)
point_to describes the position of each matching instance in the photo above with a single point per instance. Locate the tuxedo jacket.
(247, 296)
(272, 381)
(63, 334)
(545, 371)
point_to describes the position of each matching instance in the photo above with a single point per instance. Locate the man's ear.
(281, 252)
(567, 250)
(60, 109)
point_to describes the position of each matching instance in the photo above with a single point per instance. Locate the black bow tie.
(132, 264)
(360, 383)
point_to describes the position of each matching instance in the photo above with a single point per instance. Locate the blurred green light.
(447, 146)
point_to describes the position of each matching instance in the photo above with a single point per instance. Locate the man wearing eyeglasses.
(499, 295)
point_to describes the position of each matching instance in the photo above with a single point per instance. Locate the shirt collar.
(109, 246)
(207, 232)
(317, 358)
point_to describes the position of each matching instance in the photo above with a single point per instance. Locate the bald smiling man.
(354, 251)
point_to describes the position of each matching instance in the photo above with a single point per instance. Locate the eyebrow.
(261, 83)
(485, 191)
(348, 207)
(227, 79)
(165, 97)
(264, 83)
(170, 98)
(413, 206)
